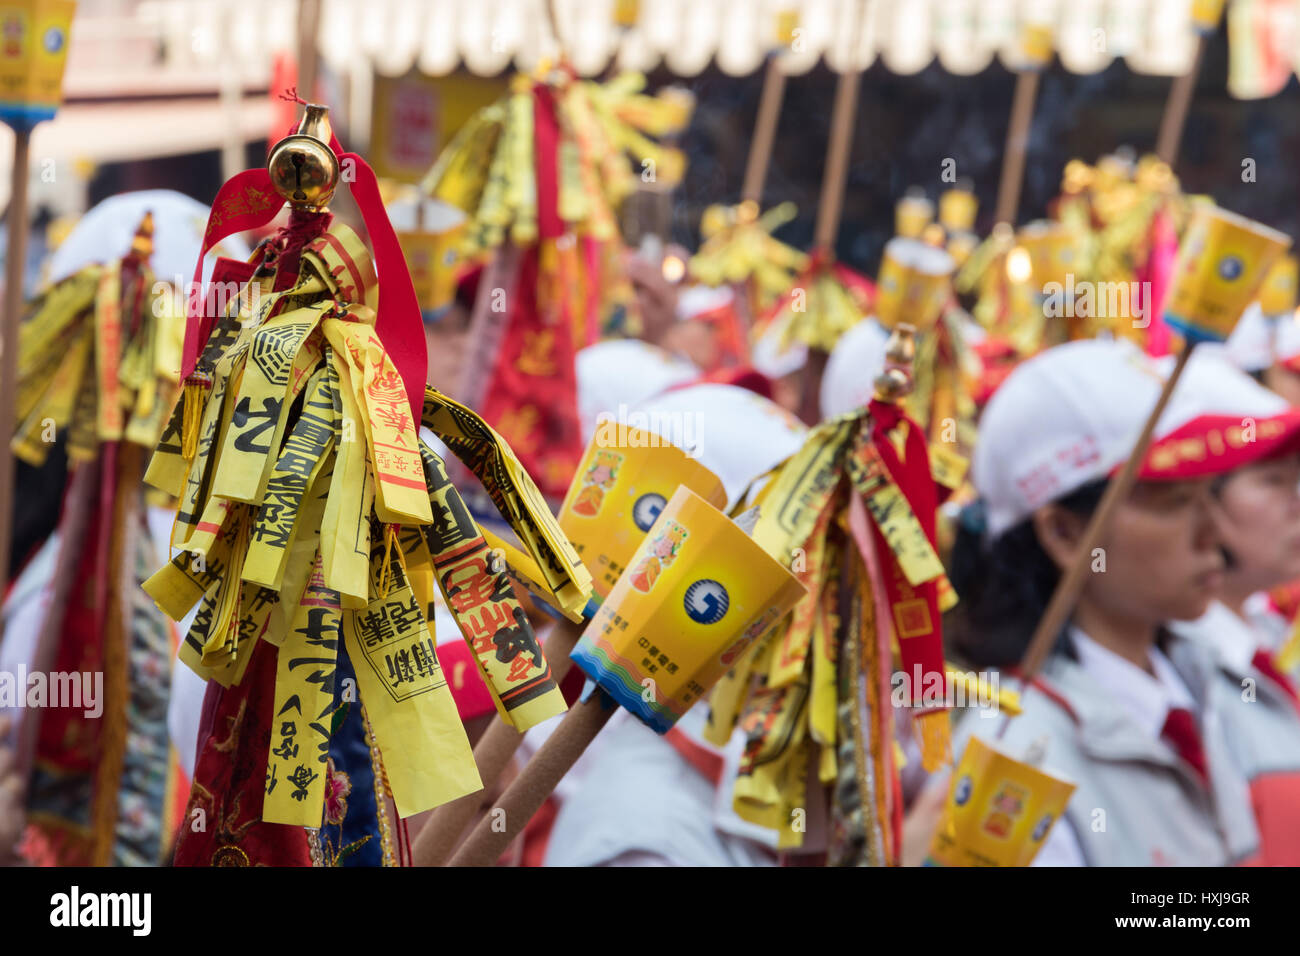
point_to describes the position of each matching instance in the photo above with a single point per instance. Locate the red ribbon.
(248, 201)
(911, 474)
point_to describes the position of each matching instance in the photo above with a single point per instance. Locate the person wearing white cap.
(1256, 509)
(1126, 707)
(1268, 348)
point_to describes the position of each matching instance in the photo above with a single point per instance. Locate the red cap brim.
(1216, 444)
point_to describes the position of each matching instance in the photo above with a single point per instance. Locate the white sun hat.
(733, 432)
(624, 372)
(1071, 415)
(105, 232)
(854, 364)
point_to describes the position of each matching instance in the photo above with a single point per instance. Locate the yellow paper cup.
(957, 208)
(433, 259)
(1206, 14)
(622, 484)
(696, 594)
(34, 40)
(1278, 294)
(914, 284)
(912, 215)
(1221, 265)
(999, 810)
(1036, 41)
(1053, 251)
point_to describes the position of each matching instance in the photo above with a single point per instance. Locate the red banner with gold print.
(533, 397)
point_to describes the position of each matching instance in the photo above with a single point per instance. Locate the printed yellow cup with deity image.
(1221, 265)
(1277, 296)
(912, 214)
(914, 284)
(623, 482)
(35, 43)
(999, 810)
(696, 594)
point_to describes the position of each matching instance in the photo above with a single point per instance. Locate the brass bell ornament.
(303, 168)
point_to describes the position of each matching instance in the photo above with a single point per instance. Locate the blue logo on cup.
(1040, 831)
(706, 601)
(963, 791)
(646, 509)
(53, 40)
(1230, 268)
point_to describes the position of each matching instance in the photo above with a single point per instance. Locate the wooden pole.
(1176, 107)
(493, 753)
(15, 267)
(760, 147)
(837, 159)
(1071, 583)
(1017, 145)
(495, 832)
(308, 56)
(830, 206)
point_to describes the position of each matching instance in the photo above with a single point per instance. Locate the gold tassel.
(192, 419)
(936, 740)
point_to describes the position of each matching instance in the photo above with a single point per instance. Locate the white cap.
(697, 299)
(1286, 340)
(105, 233)
(771, 358)
(624, 372)
(731, 431)
(1214, 381)
(1250, 346)
(1070, 416)
(851, 371)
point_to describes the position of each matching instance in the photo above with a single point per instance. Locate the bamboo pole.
(1017, 145)
(308, 55)
(1176, 107)
(837, 159)
(15, 266)
(760, 147)
(493, 753)
(831, 205)
(495, 832)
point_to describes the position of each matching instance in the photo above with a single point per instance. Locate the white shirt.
(1232, 638)
(1147, 699)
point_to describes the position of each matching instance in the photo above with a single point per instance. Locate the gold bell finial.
(897, 380)
(142, 242)
(303, 168)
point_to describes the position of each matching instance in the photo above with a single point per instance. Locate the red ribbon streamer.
(248, 201)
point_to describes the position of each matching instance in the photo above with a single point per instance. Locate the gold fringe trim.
(191, 418)
(936, 740)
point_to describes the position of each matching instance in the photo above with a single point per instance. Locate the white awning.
(487, 37)
(116, 131)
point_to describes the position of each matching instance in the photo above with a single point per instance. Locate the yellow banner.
(300, 721)
(516, 497)
(426, 755)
